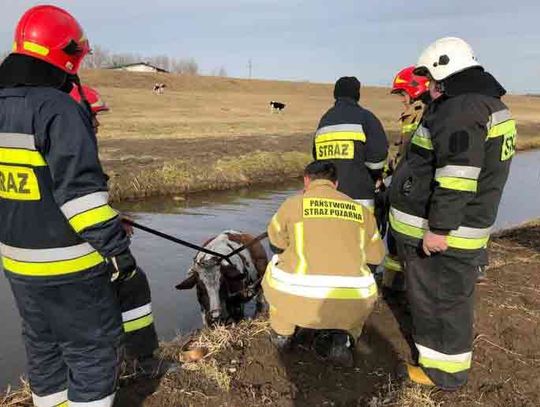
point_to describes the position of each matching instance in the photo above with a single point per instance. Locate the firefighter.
(414, 93)
(134, 295)
(444, 200)
(327, 282)
(354, 140)
(61, 243)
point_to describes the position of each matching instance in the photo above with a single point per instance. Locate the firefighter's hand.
(122, 265)
(434, 243)
(127, 227)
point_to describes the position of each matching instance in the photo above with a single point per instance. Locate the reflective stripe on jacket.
(354, 140)
(54, 200)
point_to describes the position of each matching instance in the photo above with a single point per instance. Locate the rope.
(194, 246)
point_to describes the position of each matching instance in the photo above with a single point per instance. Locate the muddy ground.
(245, 369)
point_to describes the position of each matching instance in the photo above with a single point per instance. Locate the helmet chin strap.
(77, 81)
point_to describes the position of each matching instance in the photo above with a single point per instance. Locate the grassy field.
(201, 121)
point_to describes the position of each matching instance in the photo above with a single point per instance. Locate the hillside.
(210, 129)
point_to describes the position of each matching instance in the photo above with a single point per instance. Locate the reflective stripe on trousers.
(52, 400)
(392, 264)
(104, 402)
(431, 359)
(137, 318)
(49, 262)
(60, 400)
(320, 286)
(464, 237)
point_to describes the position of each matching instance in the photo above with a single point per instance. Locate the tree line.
(103, 58)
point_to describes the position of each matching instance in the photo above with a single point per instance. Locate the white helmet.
(445, 57)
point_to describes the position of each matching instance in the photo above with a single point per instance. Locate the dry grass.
(21, 397)
(195, 106)
(183, 176)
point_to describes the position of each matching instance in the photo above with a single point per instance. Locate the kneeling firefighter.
(414, 92)
(319, 278)
(444, 200)
(134, 295)
(61, 243)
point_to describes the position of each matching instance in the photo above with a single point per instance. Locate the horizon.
(309, 41)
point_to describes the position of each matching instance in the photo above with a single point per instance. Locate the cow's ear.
(188, 283)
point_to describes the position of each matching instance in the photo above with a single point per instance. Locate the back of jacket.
(354, 140)
(57, 224)
(304, 224)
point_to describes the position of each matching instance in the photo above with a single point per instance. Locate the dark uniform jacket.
(354, 140)
(456, 166)
(56, 221)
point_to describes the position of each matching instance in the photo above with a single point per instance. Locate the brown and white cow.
(223, 288)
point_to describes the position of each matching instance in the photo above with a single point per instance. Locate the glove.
(122, 266)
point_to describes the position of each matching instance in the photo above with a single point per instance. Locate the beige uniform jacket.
(321, 279)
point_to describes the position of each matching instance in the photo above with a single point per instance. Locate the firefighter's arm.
(458, 143)
(376, 146)
(373, 244)
(79, 184)
(277, 230)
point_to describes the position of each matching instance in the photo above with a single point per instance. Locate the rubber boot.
(417, 375)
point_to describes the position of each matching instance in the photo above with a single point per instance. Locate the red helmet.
(92, 96)
(413, 85)
(53, 35)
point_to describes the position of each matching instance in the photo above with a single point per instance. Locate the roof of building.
(138, 63)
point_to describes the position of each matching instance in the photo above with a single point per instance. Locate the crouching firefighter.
(141, 340)
(444, 200)
(354, 140)
(319, 278)
(414, 93)
(61, 243)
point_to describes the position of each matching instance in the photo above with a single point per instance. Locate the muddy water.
(202, 216)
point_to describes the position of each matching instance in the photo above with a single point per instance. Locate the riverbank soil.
(207, 133)
(242, 367)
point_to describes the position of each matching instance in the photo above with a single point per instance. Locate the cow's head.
(212, 277)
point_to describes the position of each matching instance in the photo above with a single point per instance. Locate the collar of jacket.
(23, 70)
(473, 80)
(320, 183)
(346, 101)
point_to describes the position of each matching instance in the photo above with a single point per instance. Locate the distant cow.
(159, 88)
(276, 106)
(223, 288)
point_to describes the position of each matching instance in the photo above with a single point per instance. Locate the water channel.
(201, 216)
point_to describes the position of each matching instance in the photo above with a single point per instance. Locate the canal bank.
(203, 215)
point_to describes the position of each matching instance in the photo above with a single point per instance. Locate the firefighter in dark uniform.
(61, 243)
(444, 200)
(354, 140)
(141, 340)
(414, 92)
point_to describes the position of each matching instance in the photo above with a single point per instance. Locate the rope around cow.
(252, 289)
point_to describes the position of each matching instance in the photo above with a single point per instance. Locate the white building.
(138, 67)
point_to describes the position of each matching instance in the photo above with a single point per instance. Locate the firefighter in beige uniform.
(319, 277)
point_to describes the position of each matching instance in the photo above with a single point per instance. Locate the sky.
(310, 40)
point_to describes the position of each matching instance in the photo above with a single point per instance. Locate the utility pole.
(250, 67)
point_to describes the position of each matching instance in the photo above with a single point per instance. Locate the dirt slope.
(245, 369)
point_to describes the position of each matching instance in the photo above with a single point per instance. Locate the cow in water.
(223, 287)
